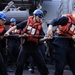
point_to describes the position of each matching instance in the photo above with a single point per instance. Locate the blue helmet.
(38, 12)
(12, 20)
(2, 16)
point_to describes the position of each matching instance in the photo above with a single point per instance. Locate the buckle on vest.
(33, 31)
(29, 28)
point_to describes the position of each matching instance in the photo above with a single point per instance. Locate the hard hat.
(2, 16)
(38, 12)
(12, 20)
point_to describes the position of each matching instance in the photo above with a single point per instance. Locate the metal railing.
(73, 4)
(60, 9)
(66, 6)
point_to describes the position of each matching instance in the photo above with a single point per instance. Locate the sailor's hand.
(49, 32)
(73, 37)
(43, 39)
(19, 36)
(6, 34)
(50, 36)
(25, 35)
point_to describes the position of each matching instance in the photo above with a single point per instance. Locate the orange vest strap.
(2, 28)
(69, 28)
(32, 29)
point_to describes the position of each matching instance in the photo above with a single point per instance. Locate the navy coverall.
(13, 49)
(64, 49)
(3, 70)
(41, 47)
(30, 49)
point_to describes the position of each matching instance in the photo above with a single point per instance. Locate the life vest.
(32, 29)
(15, 31)
(2, 29)
(69, 28)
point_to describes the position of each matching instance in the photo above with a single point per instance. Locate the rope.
(41, 36)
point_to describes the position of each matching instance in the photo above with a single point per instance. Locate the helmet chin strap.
(35, 20)
(13, 25)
